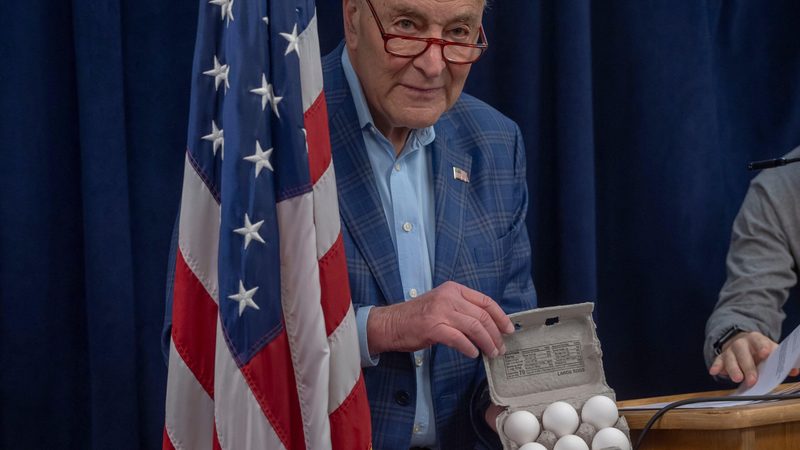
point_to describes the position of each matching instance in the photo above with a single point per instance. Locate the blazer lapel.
(359, 202)
(451, 200)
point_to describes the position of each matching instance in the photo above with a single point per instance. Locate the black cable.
(744, 398)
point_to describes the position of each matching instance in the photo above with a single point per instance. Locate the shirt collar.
(423, 136)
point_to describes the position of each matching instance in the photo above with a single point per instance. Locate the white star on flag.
(260, 158)
(305, 138)
(294, 41)
(250, 231)
(265, 19)
(245, 298)
(217, 138)
(267, 95)
(226, 10)
(220, 74)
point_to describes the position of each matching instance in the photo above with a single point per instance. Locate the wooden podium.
(762, 426)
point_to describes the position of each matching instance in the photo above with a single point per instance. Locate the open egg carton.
(552, 368)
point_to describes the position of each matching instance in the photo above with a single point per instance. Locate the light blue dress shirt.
(405, 185)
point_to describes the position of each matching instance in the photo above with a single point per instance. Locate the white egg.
(610, 437)
(521, 427)
(571, 442)
(533, 446)
(560, 418)
(600, 411)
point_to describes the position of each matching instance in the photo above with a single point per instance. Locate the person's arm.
(450, 314)
(760, 275)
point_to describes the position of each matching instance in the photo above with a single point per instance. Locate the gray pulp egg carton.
(554, 355)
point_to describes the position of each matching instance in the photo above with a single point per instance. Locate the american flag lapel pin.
(460, 174)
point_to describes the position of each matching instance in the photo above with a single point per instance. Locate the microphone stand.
(769, 163)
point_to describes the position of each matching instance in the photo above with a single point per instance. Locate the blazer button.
(402, 398)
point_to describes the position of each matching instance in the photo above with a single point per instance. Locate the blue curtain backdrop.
(638, 116)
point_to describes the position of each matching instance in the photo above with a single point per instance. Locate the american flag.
(263, 350)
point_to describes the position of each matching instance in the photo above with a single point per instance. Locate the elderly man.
(433, 201)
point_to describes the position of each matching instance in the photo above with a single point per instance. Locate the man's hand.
(451, 314)
(491, 415)
(741, 355)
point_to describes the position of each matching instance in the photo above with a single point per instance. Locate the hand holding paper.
(741, 356)
(780, 363)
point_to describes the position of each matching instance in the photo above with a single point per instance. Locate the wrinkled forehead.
(444, 11)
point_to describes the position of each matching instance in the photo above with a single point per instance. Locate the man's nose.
(431, 62)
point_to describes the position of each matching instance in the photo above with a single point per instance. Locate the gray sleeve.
(760, 271)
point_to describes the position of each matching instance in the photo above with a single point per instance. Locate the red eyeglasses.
(411, 47)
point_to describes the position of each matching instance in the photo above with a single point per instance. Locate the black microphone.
(770, 163)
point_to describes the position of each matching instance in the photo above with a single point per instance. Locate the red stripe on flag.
(167, 442)
(351, 427)
(271, 378)
(318, 138)
(215, 443)
(335, 285)
(194, 319)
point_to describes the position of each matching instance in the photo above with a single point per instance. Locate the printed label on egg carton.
(554, 356)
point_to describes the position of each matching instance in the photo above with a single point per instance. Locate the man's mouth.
(422, 90)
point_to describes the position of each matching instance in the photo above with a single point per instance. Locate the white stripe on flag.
(241, 423)
(326, 211)
(189, 410)
(302, 311)
(310, 64)
(198, 236)
(345, 363)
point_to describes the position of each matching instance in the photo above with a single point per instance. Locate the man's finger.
(484, 301)
(732, 366)
(455, 339)
(475, 332)
(762, 346)
(469, 309)
(716, 367)
(744, 357)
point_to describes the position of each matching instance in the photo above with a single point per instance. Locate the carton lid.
(553, 355)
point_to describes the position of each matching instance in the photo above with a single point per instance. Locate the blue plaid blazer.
(481, 242)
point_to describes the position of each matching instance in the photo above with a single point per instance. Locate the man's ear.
(352, 11)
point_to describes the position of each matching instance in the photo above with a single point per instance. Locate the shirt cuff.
(367, 360)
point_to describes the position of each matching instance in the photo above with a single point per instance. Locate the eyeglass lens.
(409, 47)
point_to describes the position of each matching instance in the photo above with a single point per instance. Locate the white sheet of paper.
(771, 372)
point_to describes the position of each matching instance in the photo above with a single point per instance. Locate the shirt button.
(418, 361)
(407, 227)
(417, 428)
(412, 293)
(397, 167)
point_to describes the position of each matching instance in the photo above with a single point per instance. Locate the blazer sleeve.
(760, 272)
